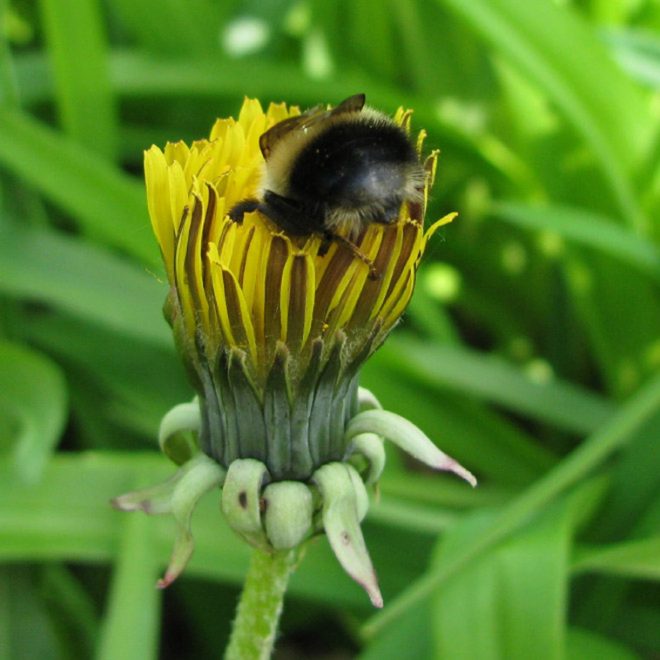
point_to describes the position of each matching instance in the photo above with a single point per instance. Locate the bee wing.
(353, 103)
(274, 134)
(308, 119)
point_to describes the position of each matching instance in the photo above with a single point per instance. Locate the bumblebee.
(333, 171)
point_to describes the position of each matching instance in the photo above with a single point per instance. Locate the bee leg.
(239, 210)
(325, 244)
(373, 271)
(289, 215)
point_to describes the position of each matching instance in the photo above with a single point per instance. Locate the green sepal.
(294, 421)
(326, 427)
(246, 434)
(408, 437)
(277, 414)
(343, 502)
(242, 502)
(288, 513)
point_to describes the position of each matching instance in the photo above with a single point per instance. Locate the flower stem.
(260, 605)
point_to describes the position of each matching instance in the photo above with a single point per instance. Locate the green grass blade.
(78, 56)
(620, 313)
(376, 53)
(638, 53)
(410, 638)
(160, 25)
(106, 203)
(432, 490)
(73, 605)
(505, 455)
(8, 82)
(607, 439)
(137, 380)
(637, 559)
(565, 58)
(27, 630)
(632, 502)
(588, 229)
(581, 644)
(131, 622)
(491, 378)
(83, 280)
(517, 594)
(403, 515)
(638, 625)
(33, 408)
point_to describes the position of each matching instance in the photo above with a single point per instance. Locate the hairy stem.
(260, 605)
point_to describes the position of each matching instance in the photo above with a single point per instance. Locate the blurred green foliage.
(530, 352)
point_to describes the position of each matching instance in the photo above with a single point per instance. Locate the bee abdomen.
(354, 164)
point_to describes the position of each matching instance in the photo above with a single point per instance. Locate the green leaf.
(410, 638)
(487, 376)
(84, 280)
(637, 559)
(638, 53)
(25, 627)
(516, 596)
(376, 53)
(33, 407)
(436, 491)
(620, 312)
(195, 24)
(132, 619)
(632, 501)
(72, 606)
(402, 515)
(558, 51)
(106, 203)
(638, 626)
(585, 228)
(581, 644)
(135, 382)
(78, 55)
(478, 437)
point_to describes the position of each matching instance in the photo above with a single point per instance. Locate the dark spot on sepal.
(243, 499)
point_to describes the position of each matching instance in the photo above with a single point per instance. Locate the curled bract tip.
(179, 496)
(341, 521)
(183, 549)
(408, 437)
(179, 431)
(460, 471)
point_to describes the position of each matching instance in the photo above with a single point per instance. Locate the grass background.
(530, 352)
